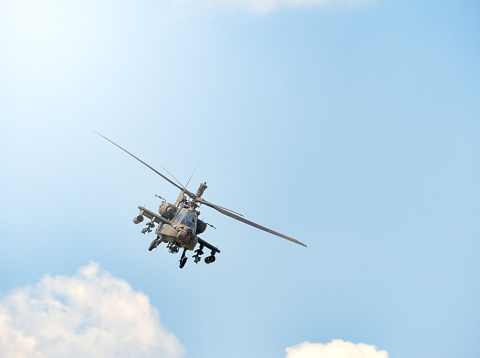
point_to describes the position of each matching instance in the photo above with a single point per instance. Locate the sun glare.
(37, 31)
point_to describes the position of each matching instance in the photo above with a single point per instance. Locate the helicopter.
(179, 224)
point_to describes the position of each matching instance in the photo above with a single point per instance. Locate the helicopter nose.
(181, 235)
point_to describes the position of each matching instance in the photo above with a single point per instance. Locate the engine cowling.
(201, 189)
(201, 227)
(167, 210)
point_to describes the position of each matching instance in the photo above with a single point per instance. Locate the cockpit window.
(180, 217)
(187, 218)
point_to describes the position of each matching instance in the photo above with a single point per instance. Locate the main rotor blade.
(251, 223)
(204, 202)
(141, 161)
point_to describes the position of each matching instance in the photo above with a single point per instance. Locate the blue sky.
(350, 126)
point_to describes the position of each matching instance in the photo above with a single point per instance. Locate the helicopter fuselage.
(182, 230)
(178, 227)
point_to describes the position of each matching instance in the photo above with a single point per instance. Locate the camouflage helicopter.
(179, 225)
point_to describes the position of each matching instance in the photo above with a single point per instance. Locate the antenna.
(191, 175)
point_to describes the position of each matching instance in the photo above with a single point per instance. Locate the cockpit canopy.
(188, 218)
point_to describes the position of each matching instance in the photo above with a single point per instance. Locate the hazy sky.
(350, 125)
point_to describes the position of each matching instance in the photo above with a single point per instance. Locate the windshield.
(187, 218)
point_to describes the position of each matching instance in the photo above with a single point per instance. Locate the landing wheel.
(183, 259)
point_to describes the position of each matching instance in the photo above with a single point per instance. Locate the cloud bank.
(335, 349)
(89, 314)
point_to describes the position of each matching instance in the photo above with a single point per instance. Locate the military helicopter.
(179, 225)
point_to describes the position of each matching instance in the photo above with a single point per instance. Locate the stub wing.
(207, 245)
(151, 215)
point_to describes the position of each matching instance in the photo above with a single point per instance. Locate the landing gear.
(183, 259)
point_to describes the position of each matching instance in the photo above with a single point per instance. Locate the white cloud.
(262, 6)
(89, 314)
(265, 6)
(335, 349)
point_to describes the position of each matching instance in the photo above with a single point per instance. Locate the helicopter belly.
(190, 245)
(187, 239)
